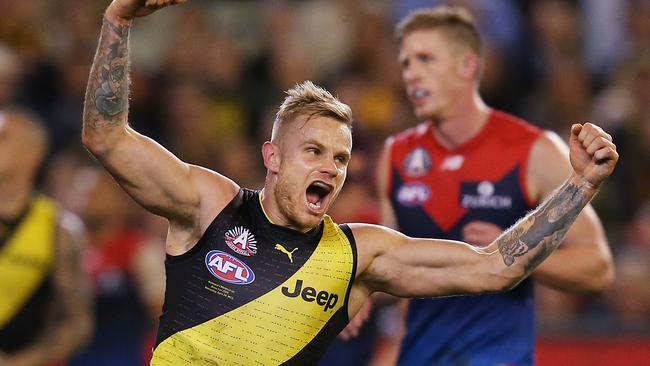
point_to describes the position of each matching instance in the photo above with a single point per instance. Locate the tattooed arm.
(409, 267)
(187, 195)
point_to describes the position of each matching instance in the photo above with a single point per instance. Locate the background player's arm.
(403, 266)
(383, 182)
(583, 263)
(150, 174)
(69, 321)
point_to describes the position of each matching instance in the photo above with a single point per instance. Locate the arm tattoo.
(544, 228)
(107, 91)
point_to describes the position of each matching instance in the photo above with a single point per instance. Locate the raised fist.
(126, 10)
(592, 153)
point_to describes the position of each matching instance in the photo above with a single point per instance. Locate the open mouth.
(317, 195)
(418, 96)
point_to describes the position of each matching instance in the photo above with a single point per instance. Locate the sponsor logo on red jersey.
(484, 198)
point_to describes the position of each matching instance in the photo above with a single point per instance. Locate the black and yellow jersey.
(254, 293)
(27, 251)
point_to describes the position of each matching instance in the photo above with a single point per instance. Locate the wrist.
(111, 16)
(583, 183)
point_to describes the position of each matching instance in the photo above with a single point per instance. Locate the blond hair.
(308, 99)
(456, 22)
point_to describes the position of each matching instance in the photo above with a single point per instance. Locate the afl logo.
(241, 240)
(228, 268)
(413, 194)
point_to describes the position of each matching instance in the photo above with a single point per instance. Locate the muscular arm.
(69, 322)
(187, 195)
(583, 263)
(393, 263)
(410, 267)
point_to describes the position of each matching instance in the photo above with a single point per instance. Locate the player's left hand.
(592, 153)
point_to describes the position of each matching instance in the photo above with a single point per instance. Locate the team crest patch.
(417, 163)
(241, 240)
(228, 268)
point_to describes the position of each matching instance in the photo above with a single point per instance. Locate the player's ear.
(271, 156)
(469, 65)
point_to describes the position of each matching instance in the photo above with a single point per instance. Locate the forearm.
(106, 100)
(524, 246)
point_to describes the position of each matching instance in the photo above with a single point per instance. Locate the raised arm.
(409, 267)
(153, 176)
(583, 263)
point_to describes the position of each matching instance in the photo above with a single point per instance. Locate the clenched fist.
(592, 153)
(125, 10)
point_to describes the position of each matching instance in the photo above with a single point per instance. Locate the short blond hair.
(457, 23)
(308, 99)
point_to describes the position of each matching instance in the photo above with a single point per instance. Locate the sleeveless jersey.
(434, 193)
(254, 293)
(26, 266)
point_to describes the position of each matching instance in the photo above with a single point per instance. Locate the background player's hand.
(129, 9)
(356, 323)
(592, 153)
(480, 233)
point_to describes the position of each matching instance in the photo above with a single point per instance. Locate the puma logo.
(283, 250)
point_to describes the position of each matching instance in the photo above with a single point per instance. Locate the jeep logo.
(309, 294)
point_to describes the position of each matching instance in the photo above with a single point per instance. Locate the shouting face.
(310, 159)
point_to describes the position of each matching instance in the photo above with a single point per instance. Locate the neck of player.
(462, 123)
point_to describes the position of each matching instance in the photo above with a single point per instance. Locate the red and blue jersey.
(436, 191)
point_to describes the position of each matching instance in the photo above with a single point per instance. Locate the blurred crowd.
(208, 75)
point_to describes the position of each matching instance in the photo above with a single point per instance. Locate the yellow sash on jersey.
(26, 259)
(272, 328)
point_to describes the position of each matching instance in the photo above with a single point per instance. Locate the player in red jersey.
(467, 173)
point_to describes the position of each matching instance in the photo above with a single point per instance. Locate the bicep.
(155, 178)
(413, 267)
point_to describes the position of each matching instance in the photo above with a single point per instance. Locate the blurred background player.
(467, 173)
(44, 306)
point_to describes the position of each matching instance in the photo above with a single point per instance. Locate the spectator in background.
(466, 173)
(125, 267)
(44, 302)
